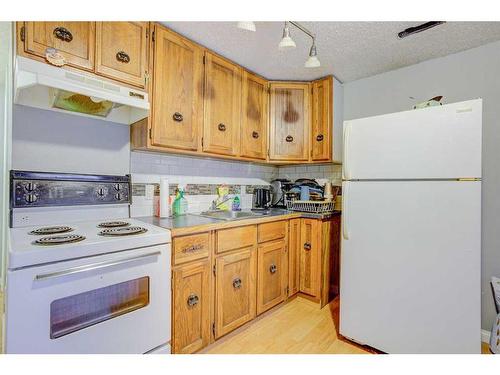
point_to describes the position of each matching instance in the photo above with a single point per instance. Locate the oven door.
(113, 303)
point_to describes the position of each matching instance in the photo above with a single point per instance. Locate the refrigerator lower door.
(436, 142)
(410, 266)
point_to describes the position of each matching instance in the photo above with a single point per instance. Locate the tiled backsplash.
(332, 172)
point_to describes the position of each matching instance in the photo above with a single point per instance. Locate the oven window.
(73, 313)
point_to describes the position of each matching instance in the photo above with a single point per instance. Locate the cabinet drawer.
(271, 231)
(236, 238)
(193, 247)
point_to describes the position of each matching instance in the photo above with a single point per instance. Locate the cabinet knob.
(319, 137)
(289, 138)
(255, 135)
(123, 57)
(178, 117)
(221, 127)
(237, 283)
(273, 268)
(307, 246)
(192, 300)
(63, 34)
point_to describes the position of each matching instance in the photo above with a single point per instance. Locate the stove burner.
(52, 230)
(123, 231)
(113, 224)
(59, 240)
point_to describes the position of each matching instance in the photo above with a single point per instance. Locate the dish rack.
(315, 207)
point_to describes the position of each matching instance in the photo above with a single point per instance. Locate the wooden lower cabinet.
(271, 275)
(191, 323)
(294, 246)
(310, 257)
(235, 289)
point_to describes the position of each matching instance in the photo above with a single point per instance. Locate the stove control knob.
(119, 196)
(118, 187)
(31, 198)
(101, 192)
(30, 186)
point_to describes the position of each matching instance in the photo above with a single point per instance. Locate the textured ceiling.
(349, 50)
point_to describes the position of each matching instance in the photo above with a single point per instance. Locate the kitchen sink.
(231, 215)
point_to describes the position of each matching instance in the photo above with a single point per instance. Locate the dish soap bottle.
(236, 206)
(180, 206)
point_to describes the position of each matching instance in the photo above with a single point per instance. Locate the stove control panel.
(37, 189)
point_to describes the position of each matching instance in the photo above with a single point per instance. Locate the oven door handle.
(92, 267)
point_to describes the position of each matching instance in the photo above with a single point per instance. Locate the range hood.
(49, 87)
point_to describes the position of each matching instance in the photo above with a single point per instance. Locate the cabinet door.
(290, 121)
(235, 290)
(294, 248)
(221, 133)
(322, 119)
(191, 307)
(74, 40)
(121, 51)
(310, 256)
(271, 275)
(254, 115)
(177, 91)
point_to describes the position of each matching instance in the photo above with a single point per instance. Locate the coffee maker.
(261, 199)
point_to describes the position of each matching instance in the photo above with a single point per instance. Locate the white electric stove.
(82, 276)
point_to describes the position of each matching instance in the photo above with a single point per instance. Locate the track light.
(312, 61)
(246, 25)
(286, 40)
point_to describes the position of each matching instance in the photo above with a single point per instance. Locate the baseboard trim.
(485, 336)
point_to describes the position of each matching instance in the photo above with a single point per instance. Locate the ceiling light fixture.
(312, 61)
(286, 40)
(246, 25)
(418, 29)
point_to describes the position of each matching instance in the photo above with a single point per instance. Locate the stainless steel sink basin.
(231, 215)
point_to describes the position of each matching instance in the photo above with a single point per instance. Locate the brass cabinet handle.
(273, 268)
(123, 57)
(319, 137)
(289, 138)
(63, 34)
(255, 135)
(222, 127)
(178, 117)
(192, 300)
(307, 246)
(237, 283)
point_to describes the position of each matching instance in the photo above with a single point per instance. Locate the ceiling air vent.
(418, 29)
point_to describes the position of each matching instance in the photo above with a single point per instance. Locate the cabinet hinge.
(150, 133)
(204, 59)
(153, 36)
(201, 141)
(287, 290)
(213, 269)
(213, 328)
(22, 33)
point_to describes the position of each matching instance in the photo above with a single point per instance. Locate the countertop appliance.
(279, 188)
(411, 231)
(261, 199)
(44, 86)
(82, 276)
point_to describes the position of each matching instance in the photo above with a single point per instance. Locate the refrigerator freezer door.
(434, 143)
(410, 266)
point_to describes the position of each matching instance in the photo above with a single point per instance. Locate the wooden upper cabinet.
(191, 307)
(272, 275)
(177, 98)
(235, 290)
(310, 257)
(254, 115)
(221, 134)
(121, 51)
(74, 40)
(289, 121)
(322, 117)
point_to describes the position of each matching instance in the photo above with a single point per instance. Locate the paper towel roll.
(164, 206)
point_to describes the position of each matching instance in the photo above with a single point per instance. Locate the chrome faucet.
(215, 205)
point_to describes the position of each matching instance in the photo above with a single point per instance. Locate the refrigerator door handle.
(345, 210)
(346, 174)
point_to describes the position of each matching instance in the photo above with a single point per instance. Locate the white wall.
(45, 140)
(462, 76)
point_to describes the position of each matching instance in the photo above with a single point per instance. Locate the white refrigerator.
(411, 230)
